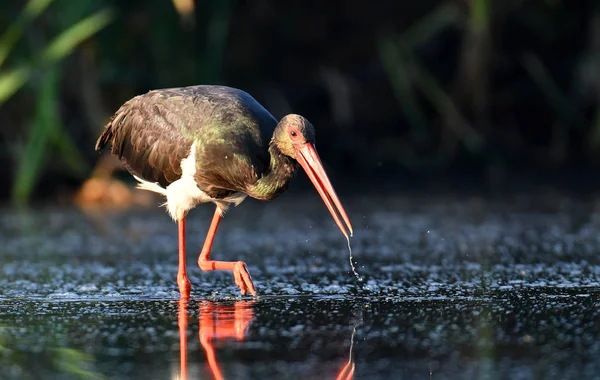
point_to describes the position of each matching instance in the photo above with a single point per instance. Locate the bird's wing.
(153, 132)
(232, 162)
(149, 135)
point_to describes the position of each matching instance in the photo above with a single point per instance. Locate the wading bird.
(217, 144)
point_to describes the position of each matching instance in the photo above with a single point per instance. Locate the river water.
(454, 288)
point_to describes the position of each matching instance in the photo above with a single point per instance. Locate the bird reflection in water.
(216, 321)
(221, 321)
(182, 322)
(347, 372)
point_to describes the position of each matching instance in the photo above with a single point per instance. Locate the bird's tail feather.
(106, 135)
(150, 186)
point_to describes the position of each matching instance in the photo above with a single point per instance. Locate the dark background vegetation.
(458, 91)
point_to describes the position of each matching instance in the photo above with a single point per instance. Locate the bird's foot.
(241, 276)
(185, 287)
(243, 279)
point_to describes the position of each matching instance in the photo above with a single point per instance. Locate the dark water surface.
(453, 289)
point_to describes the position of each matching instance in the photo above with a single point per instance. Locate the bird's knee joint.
(206, 265)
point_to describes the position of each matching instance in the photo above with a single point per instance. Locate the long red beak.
(309, 159)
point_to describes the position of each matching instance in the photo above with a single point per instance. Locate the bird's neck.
(276, 178)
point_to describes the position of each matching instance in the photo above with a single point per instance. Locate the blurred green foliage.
(62, 361)
(45, 127)
(473, 93)
(428, 87)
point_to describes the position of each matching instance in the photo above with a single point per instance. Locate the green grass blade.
(66, 42)
(12, 81)
(32, 157)
(61, 46)
(35, 7)
(46, 130)
(8, 40)
(479, 17)
(75, 362)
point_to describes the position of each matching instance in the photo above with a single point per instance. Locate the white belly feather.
(183, 194)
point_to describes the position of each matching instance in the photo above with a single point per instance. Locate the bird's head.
(292, 132)
(295, 137)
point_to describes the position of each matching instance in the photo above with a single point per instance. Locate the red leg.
(347, 373)
(182, 278)
(182, 321)
(211, 357)
(240, 272)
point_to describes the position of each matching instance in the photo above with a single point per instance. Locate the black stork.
(217, 144)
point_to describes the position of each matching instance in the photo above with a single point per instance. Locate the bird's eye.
(293, 133)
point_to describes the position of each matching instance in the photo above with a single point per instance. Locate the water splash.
(358, 276)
